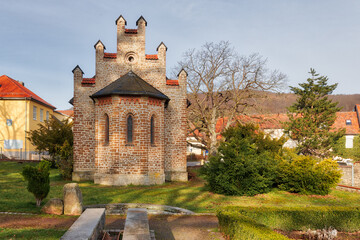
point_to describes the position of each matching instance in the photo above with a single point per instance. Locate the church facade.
(129, 119)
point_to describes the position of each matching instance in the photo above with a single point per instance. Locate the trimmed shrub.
(246, 163)
(307, 175)
(299, 218)
(38, 180)
(235, 225)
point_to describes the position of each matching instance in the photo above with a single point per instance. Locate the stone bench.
(136, 225)
(88, 226)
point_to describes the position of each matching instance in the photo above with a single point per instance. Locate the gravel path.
(166, 227)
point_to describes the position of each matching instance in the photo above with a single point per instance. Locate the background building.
(21, 110)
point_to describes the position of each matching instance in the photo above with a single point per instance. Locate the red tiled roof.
(172, 82)
(340, 122)
(131, 31)
(151, 57)
(265, 121)
(109, 55)
(69, 112)
(275, 121)
(88, 80)
(10, 88)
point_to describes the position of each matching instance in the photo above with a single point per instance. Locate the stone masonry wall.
(347, 172)
(91, 155)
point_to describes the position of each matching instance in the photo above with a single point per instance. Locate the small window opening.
(348, 122)
(129, 129)
(131, 59)
(152, 137)
(107, 133)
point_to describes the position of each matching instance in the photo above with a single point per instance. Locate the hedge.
(235, 225)
(257, 222)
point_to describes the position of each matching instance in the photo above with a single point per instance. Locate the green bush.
(352, 153)
(345, 219)
(38, 180)
(246, 163)
(307, 175)
(235, 225)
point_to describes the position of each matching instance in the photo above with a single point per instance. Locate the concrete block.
(88, 226)
(136, 225)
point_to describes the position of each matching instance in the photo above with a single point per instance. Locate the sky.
(43, 40)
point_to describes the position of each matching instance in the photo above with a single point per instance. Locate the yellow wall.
(21, 114)
(62, 117)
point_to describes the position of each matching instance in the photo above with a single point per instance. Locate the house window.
(41, 114)
(348, 122)
(107, 133)
(129, 129)
(47, 115)
(34, 112)
(152, 132)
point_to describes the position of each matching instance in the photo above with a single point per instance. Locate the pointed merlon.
(157, 49)
(121, 17)
(182, 70)
(77, 67)
(99, 42)
(141, 17)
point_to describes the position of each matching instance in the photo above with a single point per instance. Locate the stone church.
(129, 118)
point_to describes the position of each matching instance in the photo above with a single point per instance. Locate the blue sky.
(43, 40)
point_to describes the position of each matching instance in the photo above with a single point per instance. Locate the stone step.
(136, 225)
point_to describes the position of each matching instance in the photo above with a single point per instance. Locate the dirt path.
(34, 221)
(165, 226)
(176, 227)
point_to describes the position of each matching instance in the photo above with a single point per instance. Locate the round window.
(130, 57)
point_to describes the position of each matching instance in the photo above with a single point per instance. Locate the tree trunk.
(38, 202)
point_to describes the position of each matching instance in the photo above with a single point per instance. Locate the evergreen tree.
(56, 138)
(38, 180)
(311, 117)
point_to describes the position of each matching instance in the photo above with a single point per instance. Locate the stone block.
(54, 206)
(136, 225)
(72, 199)
(88, 226)
(176, 176)
(82, 176)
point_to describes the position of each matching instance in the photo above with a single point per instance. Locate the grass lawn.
(190, 195)
(30, 233)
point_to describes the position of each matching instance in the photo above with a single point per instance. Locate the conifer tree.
(311, 117)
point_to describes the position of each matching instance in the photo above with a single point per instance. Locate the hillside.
(278, 102)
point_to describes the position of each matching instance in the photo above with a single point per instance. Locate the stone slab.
(136, 225)
(72, 199)
(88, 226)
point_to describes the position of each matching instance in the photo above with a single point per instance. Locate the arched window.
(152, 130)
(129, 129)
(107, 126)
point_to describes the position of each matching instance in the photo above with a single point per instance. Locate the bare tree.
(221, 84)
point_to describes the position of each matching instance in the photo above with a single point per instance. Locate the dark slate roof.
(130, 84)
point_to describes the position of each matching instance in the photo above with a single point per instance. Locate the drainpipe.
(352, 174)
(25, 127)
